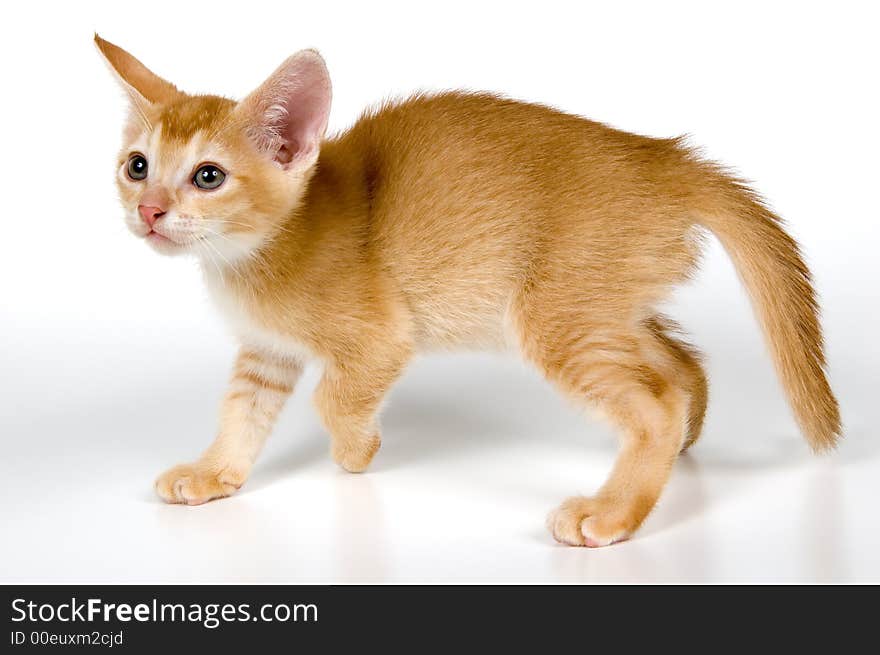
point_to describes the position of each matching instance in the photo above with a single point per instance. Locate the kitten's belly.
(475, 322)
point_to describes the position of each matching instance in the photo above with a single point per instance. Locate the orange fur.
(459, 221)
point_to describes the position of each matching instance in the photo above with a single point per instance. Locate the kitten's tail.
(778, 281)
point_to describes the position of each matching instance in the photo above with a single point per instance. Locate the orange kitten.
(452, 221)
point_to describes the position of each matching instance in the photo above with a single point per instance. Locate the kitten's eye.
(137, 167)
(209, 177)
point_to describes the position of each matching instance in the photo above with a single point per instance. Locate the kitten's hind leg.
(348, 399)
(632, 377)
(686, 361)
(259, 387)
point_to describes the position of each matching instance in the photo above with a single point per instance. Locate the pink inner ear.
(307, 112)
(295, 105)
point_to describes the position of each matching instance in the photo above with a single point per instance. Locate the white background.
(112, 362)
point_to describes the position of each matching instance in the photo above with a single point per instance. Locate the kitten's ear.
(144, 87)
(287, 115)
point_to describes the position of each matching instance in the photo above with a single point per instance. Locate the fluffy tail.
(777, 279)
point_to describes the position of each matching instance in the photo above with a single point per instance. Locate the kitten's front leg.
(259, 387)
(348, 399)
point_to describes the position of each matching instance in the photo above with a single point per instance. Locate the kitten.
(452, 221)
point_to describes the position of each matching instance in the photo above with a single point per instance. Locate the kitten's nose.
(150, 214)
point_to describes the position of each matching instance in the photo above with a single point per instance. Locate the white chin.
(163, 245)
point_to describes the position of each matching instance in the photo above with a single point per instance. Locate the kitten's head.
(205, 174)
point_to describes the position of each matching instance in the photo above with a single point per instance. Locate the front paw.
(355, 455)
(592, 522)
(194, 484)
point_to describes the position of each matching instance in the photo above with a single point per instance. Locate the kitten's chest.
(257, 324)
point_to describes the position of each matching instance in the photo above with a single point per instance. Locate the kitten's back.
(471, 194)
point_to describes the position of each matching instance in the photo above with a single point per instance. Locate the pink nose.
(150, 214)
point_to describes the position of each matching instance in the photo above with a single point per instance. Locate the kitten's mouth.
(161, 242)
(155, 237)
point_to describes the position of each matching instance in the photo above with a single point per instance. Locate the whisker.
(219, 234)
(208, 243)
(280, 228)
(219, 254)
(242, 250)
(200, 240)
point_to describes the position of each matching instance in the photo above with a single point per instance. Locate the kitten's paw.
(194, 484)
(355, 455)
(582, 521)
